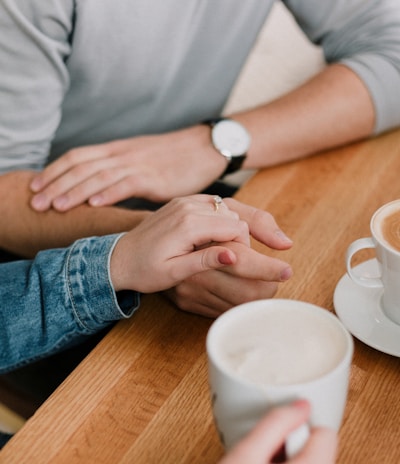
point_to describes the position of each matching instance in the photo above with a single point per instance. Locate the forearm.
(25, 231)
(332, 109)
(57, 299)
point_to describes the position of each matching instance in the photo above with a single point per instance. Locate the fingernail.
(283, 236)
(225, 257)
(286, 274)
(301, 404)
(96, 200)
(36, 184)
(39, 201)
(60, 202)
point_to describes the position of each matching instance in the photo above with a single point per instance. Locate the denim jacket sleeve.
(57, 299)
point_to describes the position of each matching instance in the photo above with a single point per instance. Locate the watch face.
(230, 138)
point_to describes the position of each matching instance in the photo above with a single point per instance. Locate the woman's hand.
(155, 167)
(265, 441)
(188, 237)
(177, 241)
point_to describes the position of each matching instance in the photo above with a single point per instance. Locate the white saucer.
(360, 311)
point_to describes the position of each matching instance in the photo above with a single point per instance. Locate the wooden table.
(141, 396)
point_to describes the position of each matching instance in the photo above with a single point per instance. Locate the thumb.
(213, 257)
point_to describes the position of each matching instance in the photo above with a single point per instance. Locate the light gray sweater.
(76, 72)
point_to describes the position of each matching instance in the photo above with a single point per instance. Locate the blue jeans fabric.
(57, 300)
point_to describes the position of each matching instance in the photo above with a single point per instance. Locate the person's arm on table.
(332, 109)
(209, 293)
(354, 97)
(34, 48)
(63, 295)
(56, 300)
(24, 231)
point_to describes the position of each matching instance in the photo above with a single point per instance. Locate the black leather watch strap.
(234, 165)
(212, 121)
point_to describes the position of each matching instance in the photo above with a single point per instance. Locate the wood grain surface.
(141, 396)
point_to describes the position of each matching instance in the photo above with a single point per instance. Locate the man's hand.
(155, 167)
(252, 276)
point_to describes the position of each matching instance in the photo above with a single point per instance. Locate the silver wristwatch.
(231, 140)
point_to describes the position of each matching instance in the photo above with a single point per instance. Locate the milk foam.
(281, 347)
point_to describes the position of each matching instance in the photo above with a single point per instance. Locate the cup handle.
(364, 281)
(296, 440)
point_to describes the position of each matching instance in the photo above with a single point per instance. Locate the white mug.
(271, 352)
(388, 257)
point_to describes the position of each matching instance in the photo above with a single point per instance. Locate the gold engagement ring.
(217, 202)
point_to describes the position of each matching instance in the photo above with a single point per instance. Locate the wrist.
(126, 300)
(211, 162)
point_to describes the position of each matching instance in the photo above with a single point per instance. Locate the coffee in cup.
(385, 238)
(386, 225)
(271, 352)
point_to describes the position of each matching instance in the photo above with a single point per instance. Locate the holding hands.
(198, 247)
(202, 260)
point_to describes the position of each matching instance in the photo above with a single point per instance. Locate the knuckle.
(182, 296)
(186, 213)
(185, 205)
(106, 176)
(244, 227)
(260, 215)
(79, 170)
(207, 259)
(234, 215)
(264, 290)
(72, 155)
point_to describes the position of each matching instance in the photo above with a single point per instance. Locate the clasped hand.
(201, 256)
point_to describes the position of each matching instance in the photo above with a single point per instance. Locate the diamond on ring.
(217, 202)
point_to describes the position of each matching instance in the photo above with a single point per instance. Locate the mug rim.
(273, 302)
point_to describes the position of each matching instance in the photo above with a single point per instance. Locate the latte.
(282, 346)
(267, 353)
(389, 224)
(385, 238)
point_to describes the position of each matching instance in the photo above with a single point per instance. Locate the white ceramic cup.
(271, 352)
(389, 262)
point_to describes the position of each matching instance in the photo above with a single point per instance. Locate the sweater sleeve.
(57, 299)
(365, 36)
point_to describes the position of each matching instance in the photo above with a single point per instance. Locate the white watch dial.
(230, 138)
